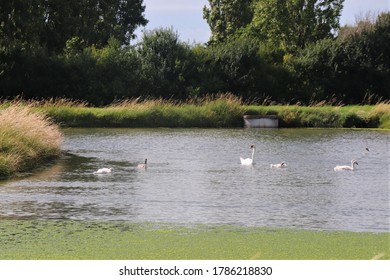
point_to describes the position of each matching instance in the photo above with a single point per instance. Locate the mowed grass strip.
(58, 240)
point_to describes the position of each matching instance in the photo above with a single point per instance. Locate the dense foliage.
(292, 24)
(354, 67)
(80, 51)
(51, 23)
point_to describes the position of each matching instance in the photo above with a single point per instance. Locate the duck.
(103, 171)
(346, 167)
(249, 161)
(279, 165)
(143, 165)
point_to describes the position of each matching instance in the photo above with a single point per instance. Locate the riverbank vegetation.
(29, 239)
(283, 51)
(221, 111)
(27, 139)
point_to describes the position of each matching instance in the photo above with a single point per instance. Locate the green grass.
(354, 116)
(37, 239)
(222, 111)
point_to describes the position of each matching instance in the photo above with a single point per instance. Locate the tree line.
(283, 51)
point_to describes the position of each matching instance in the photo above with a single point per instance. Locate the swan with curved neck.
(346, 167)
(249, 161)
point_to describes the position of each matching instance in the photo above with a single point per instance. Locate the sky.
(186, 16)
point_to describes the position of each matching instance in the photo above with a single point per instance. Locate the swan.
(248, 161)
(103, 171)
(143, 165)
(346, 167)
(279, 165)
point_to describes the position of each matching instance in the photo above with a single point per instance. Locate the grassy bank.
(222, 111)
(368, 116)
(27, 139)
(23, 239)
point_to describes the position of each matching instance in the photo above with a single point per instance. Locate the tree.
(225, 17)
(353, 68)
(166, 64)
(94, 21)
(20, 22)
(51, 23)
(292, 24)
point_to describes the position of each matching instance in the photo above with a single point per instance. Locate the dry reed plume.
(30, 124)
(26, 139)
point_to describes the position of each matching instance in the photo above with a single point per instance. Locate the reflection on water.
(195, 176)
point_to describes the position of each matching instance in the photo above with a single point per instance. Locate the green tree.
(94, 21)
(292, 24)
(166, 64)
(51, 23)
(20, 23)
(225, 17)
(237, 66)
(353, 68)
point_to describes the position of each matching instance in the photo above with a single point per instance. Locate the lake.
(194, 176)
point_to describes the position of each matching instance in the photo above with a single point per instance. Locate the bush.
(354, 68)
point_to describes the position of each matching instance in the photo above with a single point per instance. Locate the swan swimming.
(346, 167)
(143, 165)
(103, 171)
(279, 165)
(248, 161)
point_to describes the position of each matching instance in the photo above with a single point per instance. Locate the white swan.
(143, 165)
(248, 161)
(346, 167)
(279, 165)
(103, 171)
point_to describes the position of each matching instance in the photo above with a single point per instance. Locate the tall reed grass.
(222, 110)
(27, 139)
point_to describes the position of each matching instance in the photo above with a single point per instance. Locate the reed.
(214, 111)
(221, 110)
(27, 139)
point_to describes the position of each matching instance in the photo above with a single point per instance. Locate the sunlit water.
(195, 176)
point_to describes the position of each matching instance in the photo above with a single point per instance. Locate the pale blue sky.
(186, 16)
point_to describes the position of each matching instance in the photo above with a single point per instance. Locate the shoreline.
(219, 113)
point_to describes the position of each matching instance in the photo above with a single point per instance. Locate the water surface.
(195, 176)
